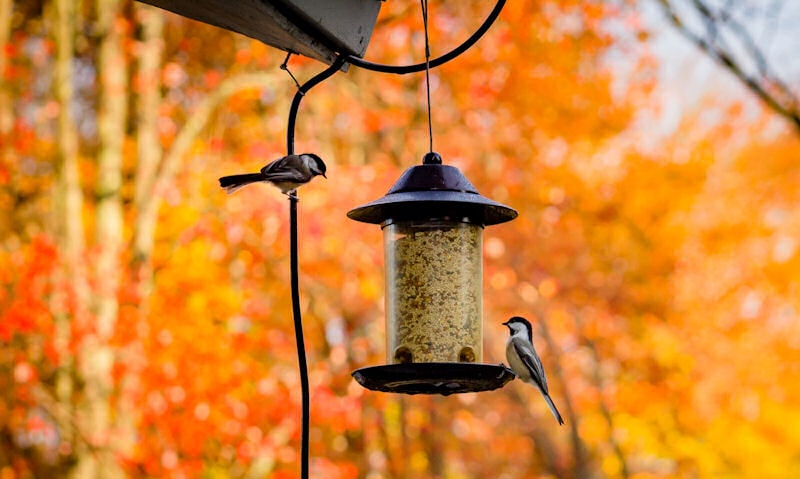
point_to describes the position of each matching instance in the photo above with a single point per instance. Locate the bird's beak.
(323, 175)
(505, 324)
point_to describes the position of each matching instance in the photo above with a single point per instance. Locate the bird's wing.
(531, 360)
(279, 172)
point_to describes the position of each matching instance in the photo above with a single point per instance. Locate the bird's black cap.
(320, 164)
(518, 319)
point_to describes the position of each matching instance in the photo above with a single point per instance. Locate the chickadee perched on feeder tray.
(524, 361)
(287, 173)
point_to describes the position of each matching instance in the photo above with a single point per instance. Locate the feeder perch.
(432, 221)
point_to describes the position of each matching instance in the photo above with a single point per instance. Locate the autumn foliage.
(145, 326)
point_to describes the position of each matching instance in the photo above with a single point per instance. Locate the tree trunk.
(149, 153)
(149, 149)
(6, 112)
(395, 445)
(432, 440)
(69, 208)
(96, 357)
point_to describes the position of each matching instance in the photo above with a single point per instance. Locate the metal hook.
(285, 67)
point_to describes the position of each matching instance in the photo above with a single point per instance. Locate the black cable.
(424, 5)
(298, 334)
(302, 363)
(418, 67)
(301, 91)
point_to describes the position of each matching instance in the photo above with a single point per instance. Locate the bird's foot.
(502, 365)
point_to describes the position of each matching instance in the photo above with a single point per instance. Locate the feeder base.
(433, 378)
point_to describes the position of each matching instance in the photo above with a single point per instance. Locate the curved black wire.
(378, 67)
(302, 362)
(298, 97)
(418, 67)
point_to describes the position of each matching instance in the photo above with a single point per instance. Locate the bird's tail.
(553, 409)
(234, 182)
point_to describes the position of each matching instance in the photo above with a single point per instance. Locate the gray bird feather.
(279, 172)
(534, 364)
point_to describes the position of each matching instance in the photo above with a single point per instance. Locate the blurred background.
(651, 148)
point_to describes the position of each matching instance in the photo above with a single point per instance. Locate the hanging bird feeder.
(432, 221)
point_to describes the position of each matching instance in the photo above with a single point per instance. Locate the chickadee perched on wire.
(287, 173)
(524, 361)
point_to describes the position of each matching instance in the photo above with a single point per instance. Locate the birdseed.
(434, 278)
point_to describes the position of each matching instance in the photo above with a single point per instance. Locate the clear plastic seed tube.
(434, 281)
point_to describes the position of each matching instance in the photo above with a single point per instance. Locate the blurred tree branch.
(63, 416)
(97, 354)
(157, 179)
(599, 384)
(544, 444)
(727, 41)
(579, 449)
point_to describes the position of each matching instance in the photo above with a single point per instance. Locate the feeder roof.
(318, 29)
(433, 191)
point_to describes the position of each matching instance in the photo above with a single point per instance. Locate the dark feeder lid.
(433, 191)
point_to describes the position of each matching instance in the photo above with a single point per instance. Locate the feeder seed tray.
(433, 378)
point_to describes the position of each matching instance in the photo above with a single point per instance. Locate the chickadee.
(524, 361)
(287, 173)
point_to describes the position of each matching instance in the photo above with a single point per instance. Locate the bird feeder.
(432, 221)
